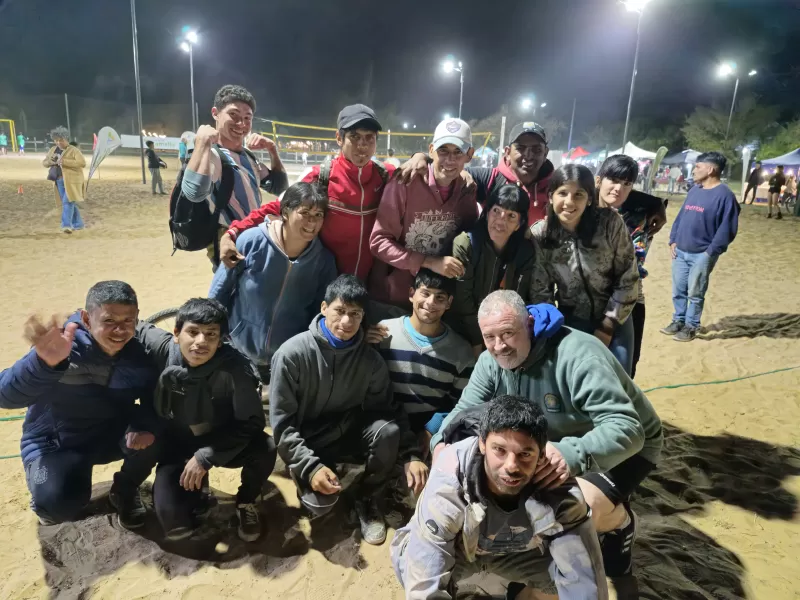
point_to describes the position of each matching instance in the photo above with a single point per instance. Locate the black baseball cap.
(358, 114)
(527, 127)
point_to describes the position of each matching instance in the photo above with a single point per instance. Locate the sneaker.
(373, 527)
(203, 507)
(66, 230)
(687, 334)
(672, 328)
(130, 510)
(769, 216)
(617, 547)
(779, 216)
(249, 522)
(46, 521)
(178, 534)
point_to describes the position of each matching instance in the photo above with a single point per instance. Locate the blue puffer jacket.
(269, 297)
(86, 401)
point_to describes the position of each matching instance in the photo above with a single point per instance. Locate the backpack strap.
(324, 177)
(224, 193)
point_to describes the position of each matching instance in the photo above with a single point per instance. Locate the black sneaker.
(249, 522)
(130, 510)
(687, 334)
(373, 526)
(779, 216)
(672, 328)
(617, 547)
(769, 216)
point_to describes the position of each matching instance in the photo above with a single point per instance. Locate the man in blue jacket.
(702, 231)
(80, 382)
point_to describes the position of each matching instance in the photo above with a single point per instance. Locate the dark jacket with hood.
(488, 179)
(218, 402)
(317, 391)
(84, 403)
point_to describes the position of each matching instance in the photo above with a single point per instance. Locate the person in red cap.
(354, 184)
(524, 163)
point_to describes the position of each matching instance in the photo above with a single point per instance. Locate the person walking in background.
(183, 151)
(155, 164)
(704, 228)
(305, 159)
(755, 179)
(3, 143)
(65, 165)
(392, 159)
(21, 144)
(776, 183)
(673, 175)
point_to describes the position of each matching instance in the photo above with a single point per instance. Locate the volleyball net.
(319, 141)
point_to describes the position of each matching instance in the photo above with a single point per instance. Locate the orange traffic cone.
(19, 190)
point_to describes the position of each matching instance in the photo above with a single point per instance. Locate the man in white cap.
(417, 223)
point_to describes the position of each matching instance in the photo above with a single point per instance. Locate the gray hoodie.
(314, 385)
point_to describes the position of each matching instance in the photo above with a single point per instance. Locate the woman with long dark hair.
(495, 255)
(584, 260)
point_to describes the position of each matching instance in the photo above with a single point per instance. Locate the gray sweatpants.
(155, 178)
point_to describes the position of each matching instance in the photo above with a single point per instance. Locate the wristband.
(233, 233)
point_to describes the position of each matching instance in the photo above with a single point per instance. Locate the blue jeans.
(690, 274)
(621, 343)
(70, 215)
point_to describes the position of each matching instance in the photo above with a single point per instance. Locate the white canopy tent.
(634, 152)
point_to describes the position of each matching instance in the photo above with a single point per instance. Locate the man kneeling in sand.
(208, 393)
(80, 382)
(331, 401)
(482, 512)
(603, 429)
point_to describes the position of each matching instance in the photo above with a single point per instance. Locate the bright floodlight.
(751, 73)
(526, 103)
(726, 69)
(446, 116)
(448, 66)
(405, 125)
(635, 5)
(543, 105)
(191, 37)
(185, 46)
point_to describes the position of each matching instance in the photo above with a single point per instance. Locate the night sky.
(303, 59)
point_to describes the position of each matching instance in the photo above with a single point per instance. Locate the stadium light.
(636, 6)
(729, 68)
(543, 105)
(405, 125)
(752, 72)
(446, 116)
(526, 103)
(190, 38)
(726, 68)
(448, 66)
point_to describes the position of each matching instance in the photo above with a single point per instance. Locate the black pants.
(174, 504)
(750, 187)
(370, 438)
(637, 316)
(61, 482)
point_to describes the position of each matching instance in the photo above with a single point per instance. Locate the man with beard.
(429, 363)
(482, 511)
(524, 163)
(603, 429)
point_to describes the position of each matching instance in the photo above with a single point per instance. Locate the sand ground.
(719, 518)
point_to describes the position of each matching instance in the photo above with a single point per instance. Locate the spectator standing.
(776, 183)
(65, 168)
(755, 179)
(155, 164)
(673, 175)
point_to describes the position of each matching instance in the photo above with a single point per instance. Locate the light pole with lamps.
(729, 68)
(530, 102)
(449, 66)
(189, 40)
(636, 6)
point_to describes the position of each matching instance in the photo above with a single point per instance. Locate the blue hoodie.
(85, 402)
(707, 221)
(269, 297)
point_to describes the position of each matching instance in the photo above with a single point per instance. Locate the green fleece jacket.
(484, 272)
(597, 416)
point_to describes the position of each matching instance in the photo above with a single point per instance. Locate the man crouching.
(480, 512)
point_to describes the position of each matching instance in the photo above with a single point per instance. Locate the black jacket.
(153, 162)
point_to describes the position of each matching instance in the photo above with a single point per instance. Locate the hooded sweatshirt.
(354, 194)
(84, 402)
(415, 222)
(488, 179)
(269, 297)
(317, 390)
(217, 402)
(592, 283)
(597, 416)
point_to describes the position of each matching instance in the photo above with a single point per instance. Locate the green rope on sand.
(17, 418)
(10, 456)
(680, 385)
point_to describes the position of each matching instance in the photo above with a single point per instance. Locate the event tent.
(792, 158)
(687, 156)
(634, 151)
(578, 152)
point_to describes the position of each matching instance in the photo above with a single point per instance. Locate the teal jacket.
(597, 416)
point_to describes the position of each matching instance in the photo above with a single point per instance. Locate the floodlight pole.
(191, 78)
(633, 79)
(733, 104)
(138, 84)
(461, 95)
(571, 124)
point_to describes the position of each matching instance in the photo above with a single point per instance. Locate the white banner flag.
(107, 141)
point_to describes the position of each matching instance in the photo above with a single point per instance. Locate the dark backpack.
(325, 174)
(192, 224)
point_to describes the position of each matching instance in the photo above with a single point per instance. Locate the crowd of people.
(467, 334)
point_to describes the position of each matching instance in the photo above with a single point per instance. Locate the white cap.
(453, 131)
